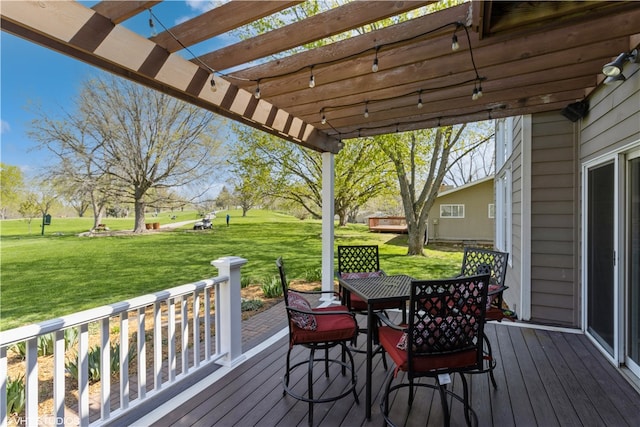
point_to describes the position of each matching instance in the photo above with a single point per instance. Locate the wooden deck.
(545, 378)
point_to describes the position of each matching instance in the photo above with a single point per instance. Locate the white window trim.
(491, 210)
(459, 205)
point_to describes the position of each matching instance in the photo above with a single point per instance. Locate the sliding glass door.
(600, 255)
(633, 263)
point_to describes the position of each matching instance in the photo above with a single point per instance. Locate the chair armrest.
(335, 294)
(497, 291)
(390, 324)
(320, 313)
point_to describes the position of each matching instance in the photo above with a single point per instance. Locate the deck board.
(545, 378)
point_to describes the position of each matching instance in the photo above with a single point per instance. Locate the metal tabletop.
(380, 289)
(374, 290)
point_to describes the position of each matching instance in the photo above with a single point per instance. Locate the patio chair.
(317, 329)
(361, 262)
(444, 336)
(485, 261)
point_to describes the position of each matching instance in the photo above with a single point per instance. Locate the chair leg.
(326, 362)
(445, 406)
(346, 350)
(467, 407)
(491, 361)
(310, 385)
(286, 372)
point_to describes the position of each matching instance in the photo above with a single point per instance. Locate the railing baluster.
(105, 369)
(157, 345)
(207, 324)
(31, 392)
(124, 360)
(58, 377)
(4, 416)
(216, 308)
(142, 355)
(83, 375)
(184, 324)
(196, 329)
(171, 331)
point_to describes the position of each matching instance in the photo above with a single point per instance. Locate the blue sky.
(30, 73)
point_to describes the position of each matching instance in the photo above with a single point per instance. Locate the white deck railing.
(160, 320)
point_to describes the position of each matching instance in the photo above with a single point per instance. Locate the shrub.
(313, 275)
(15, 395)
(272, 287)
(245, 281)
(251, 304)
(46, 343)
(94, 362)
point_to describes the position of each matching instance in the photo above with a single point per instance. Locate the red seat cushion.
(337, 327)
(389, 339)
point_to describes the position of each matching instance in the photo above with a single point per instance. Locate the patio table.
(376, 290)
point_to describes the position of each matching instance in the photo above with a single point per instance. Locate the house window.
(451, 211)
(491, 210)
(504, 139)
(503, 211)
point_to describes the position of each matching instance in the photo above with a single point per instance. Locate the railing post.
(229, 305)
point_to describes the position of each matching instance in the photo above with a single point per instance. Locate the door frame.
(619, 158)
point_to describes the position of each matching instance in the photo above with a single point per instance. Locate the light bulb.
(366, 112)
(420, 103)
(374, 67)
(454, 43)
(479, 91)
(257, 92)
(475, 93)
(312, 81)
(324, 119)
(213, 84)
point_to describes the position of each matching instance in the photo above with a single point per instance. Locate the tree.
(421, 159)
(135, 139)
(294, 173)
(11, 183)
(479, 162)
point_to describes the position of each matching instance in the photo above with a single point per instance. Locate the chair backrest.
(358, 259)
(446, 317)
(283, 280)
(482, 261)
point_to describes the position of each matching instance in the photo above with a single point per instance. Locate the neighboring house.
(464, 214)
(568, 212)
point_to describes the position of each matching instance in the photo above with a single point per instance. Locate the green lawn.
(42, 277)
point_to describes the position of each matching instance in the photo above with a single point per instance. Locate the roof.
(527, 57)
(466, 186)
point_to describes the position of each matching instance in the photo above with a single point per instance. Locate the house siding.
(476, 226)
(554, 221)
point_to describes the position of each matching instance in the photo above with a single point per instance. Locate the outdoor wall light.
(613, 69)
(610, 80)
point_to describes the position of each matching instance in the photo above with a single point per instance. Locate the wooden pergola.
(524, 57)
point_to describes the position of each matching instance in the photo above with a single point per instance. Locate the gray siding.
(554, 221)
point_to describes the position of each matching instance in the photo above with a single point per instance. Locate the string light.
(420, 99)
(474, 96)
(256, 94)
(479, 90)
(324, 117)
(454, 43)
(151, 25)
(366, 110)
(374, 67)
(213, 83)
(312, 80)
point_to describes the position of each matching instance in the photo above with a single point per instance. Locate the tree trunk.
(139, 220)
(415, 241)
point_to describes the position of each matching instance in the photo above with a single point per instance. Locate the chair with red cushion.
(361, 262)
(485, 261)
(444, 336)
(317, 329)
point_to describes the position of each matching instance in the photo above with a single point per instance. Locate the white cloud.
(4, 127)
